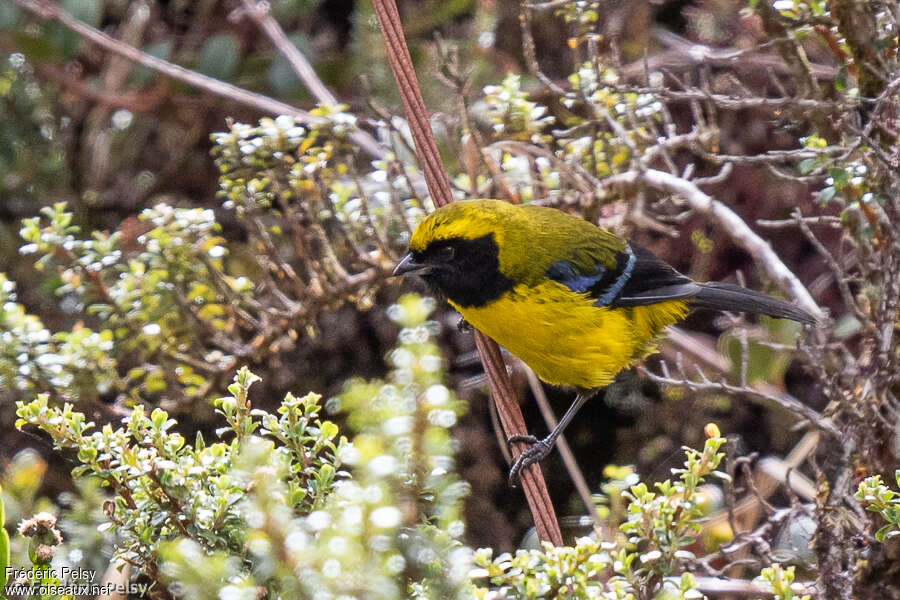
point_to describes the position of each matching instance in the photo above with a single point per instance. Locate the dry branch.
(768, 261)
(439, 186)
(51, 12)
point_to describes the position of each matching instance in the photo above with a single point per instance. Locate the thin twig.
(736, 227)
(786, 402)
(741, 587)
(259, 12)
(784, 223)
(728, 102)
(565, 451)
(502, 391)
(52, 12)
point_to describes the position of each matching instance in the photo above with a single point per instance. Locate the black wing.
(655, 281)
(637, 278)
(640, 278)
(652, 281)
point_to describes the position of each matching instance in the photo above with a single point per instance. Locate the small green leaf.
(160, 50)
(841, 177)
(806, 166)
(329, 430)
(87, 11)
(840, 78)
(219, 57)
(826, 195)
(888, 531)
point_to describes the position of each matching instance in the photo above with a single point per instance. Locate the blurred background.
(110, 138)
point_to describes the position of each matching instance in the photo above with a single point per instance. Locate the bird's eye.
(446, 253)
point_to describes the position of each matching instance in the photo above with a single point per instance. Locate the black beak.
(409, 266)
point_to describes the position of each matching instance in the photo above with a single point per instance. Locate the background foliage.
(180, 268)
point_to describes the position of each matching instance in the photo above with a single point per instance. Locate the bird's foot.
(463, 326)
(536, 452)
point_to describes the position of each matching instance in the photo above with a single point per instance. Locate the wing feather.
(652, 281)
(602, 282)
(638, 278)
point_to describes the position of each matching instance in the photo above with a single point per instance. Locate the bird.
(575, 302)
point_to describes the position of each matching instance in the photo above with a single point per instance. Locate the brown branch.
(856, 22)
(259, 12)
(439, 187)
(511, 418)
(736, 227)
(840, 278)
(568, 457)
(789, 49)
(414, 105)
(51, 12)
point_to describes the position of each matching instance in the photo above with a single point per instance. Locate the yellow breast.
(565, 338)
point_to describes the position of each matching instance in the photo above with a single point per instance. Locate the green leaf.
(888, 531)
(219, 57)
(161, 50)
(297, 496)
(827, 194)
(806, 166)
(155, 382)
(329, 430)
(281, 75)
(87, 11)
(841, 177)
(9, 18)
(840, 78)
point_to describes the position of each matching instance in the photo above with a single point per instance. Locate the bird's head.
(463, 251)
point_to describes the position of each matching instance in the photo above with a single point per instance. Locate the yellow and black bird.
(575, 302)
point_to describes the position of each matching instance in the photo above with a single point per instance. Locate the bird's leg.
(463, 326)
(539, 449)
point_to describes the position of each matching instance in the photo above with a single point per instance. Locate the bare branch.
(828, 220)
(565, 451)
(785, 401)
(741, 587)
(259, 12)
(727, 102)
(52, 12)
(789, 48)
(736, 227)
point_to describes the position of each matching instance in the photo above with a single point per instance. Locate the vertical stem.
(511, 418)
(439, 187)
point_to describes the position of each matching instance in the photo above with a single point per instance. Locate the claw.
(522, 438)
(537, 452)
(541, 448)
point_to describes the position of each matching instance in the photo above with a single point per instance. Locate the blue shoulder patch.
(564, 272)
(602, 283)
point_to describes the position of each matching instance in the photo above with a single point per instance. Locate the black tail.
(728, 296)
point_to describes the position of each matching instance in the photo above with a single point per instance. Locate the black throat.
(472, 278)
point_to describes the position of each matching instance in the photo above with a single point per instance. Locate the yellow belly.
(565, 338)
